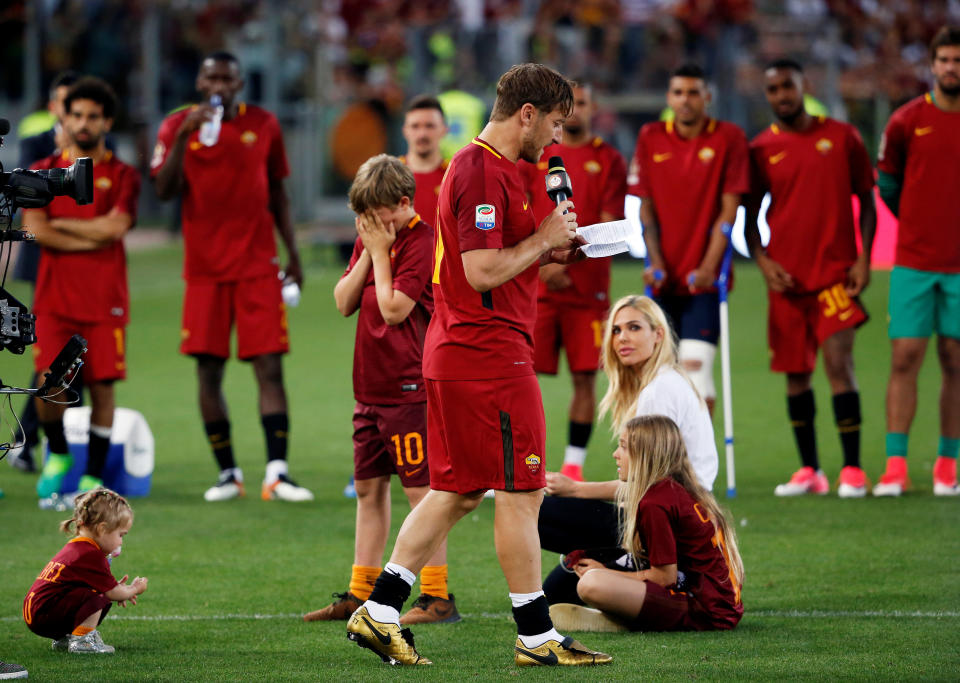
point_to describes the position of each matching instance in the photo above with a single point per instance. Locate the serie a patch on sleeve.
(486, 216)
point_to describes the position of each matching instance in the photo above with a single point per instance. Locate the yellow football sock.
(433, 581)
(362, 580)
(81, 630)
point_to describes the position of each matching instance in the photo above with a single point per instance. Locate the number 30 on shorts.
(412, 450)
(833, 300)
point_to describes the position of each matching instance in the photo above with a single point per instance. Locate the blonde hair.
(381, 181)
(626, 382)
(656, 452)
(98, 506)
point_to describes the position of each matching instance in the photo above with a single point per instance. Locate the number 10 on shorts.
(412, 448)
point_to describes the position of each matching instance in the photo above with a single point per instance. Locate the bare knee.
(210, 372)
(590, 587)
(948, 350)
(372, 492)
(269, 369)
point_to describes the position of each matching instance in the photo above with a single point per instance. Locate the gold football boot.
(393, 644)
(567, 652)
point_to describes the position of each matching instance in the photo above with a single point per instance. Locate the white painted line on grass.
(755, 614)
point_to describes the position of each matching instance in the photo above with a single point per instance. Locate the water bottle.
(290, 291)
(210, 130)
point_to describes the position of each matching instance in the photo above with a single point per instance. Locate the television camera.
(32, 190)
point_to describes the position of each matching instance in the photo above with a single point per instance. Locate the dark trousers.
(568, 524)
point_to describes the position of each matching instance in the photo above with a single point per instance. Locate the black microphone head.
(4, 126)
(557, 180)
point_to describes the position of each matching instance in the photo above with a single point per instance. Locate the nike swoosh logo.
(413, 472)
(845, 315)
(385, 639)
(920, 132)
(777, 158)
(548, 660)
(657, 158)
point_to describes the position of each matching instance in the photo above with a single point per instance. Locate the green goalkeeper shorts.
(923, 302)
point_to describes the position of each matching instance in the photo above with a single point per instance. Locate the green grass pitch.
(853, 589)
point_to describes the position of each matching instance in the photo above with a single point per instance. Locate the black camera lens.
(75, 181)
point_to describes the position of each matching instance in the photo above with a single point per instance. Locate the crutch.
(723, 283)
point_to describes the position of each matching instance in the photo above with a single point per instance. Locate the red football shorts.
(799, 323)
(578, 330)
(211, 308)
(486, 434)
(391, 440)
(59, 615)
(105, 359)
(665, 609)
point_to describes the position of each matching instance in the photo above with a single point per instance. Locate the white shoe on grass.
(228, 487)
(285, 488)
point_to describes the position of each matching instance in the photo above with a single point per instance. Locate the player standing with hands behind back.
(811, 266)
(919, 177)
(233, 196)
(485, 418)
(572, 301)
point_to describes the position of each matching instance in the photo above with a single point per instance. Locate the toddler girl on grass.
(76, 589)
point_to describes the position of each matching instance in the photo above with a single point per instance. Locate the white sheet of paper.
(606, 233)
(601, 250)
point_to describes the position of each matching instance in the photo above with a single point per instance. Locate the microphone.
(4, 126)
(66, 361)
(557, 180)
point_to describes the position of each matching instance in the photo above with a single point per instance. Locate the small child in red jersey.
(76, 589)
(695, 571)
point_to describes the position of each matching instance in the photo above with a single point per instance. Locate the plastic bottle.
(290, 291)
(210, 130)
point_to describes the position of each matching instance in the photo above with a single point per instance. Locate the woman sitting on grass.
(695, 574)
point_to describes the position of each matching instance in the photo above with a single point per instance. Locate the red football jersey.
(674, 529)
(388, 359)
(921, 145)
(598, 175)
(810, 177)
(227, 224)
(428, 190)
(686, 180)
(80, 563)
(89, 286)
(477, 335)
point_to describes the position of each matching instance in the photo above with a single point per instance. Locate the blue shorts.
(693, 317)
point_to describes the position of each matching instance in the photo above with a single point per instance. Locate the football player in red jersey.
(485, 419)
(82, 282)
(233, 197)
(918, 162)
(690, 174)
(572, 300)
(423, 129)
(811, 265)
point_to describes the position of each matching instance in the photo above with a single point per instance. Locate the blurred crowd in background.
(311, 61)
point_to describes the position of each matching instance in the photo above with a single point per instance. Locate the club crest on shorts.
(533, 463)
(486, 216)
